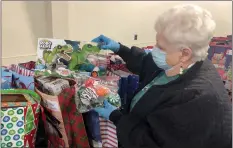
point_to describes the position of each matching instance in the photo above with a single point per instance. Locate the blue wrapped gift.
(6, 75)
(23, 82)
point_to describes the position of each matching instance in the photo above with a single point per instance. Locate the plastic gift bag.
(93, 91)
(20, 110)
(67, 128)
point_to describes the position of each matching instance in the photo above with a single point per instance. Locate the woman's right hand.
(107, 43)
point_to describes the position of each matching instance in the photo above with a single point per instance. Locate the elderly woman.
(181, 102)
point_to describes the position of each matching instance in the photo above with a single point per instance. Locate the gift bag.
(93, 91)
(20, 111)
(67, 127)
(108, 133)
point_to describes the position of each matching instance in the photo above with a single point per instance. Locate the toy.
(79, 57)
(93, 91)
(57, 53)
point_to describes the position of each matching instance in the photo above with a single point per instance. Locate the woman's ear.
(186, 54)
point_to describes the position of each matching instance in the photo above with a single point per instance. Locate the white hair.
(187, 26)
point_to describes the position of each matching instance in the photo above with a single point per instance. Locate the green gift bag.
(20, 115)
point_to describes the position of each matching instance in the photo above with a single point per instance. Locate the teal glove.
(107, 43)
(106, 110)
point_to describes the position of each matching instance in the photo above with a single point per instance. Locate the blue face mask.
(159, 58)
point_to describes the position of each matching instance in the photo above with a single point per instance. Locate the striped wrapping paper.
(108, 134)
(21, 70)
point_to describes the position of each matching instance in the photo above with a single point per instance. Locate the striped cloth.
(108, 134)
(21, 70)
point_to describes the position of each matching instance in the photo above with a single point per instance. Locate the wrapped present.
(28, 65)
(93, 91)
(92, 125)
(220, 53)
(219, 39)
(98, 60)
(55, 53)
(20, 79)
(128, 86)
(221, 57)
(116, 63)
(108, 133)
(59, 72)
(5, 84)
(52, 85)
(24, 69)
(67, 127)
(23, 82)
(115, 67)
(115, 59)
(20, 111)
(6, 76)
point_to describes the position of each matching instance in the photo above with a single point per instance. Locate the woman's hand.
(107, 43)
(106, 110)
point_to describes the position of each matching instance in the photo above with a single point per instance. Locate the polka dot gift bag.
(20, 115)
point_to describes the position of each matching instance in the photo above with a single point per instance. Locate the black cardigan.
(193, 111)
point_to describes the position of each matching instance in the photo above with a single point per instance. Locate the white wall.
(24, 22)
(120, 20)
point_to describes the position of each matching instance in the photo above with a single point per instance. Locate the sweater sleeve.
(131, 135)
(133, 57)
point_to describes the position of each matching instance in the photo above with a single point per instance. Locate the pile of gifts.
(220, 53)
(57, 94)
